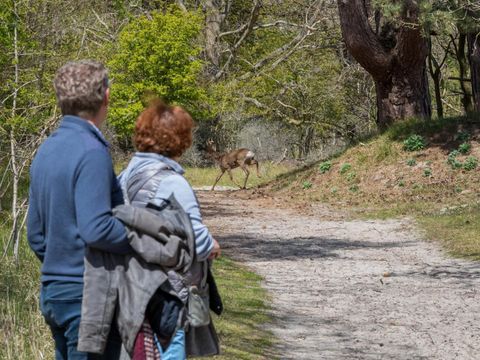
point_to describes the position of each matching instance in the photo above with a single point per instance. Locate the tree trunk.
(438, 93)
(213, 21)
(462, 66)
(402, 96)
(395, 59)
(435, 68)
(474, 59)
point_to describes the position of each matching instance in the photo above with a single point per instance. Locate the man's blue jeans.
(61, 305)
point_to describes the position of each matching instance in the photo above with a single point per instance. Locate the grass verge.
(207, 176)
(240, 328)
(457, 229)
(24, 335)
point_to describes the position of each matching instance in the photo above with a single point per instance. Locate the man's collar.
(85, 124)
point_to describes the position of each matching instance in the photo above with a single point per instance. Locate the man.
(72, 191)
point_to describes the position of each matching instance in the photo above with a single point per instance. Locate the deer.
(242, 158)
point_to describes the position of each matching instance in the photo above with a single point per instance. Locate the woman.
(162, 134)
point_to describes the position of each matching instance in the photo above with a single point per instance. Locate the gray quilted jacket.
(161, 240)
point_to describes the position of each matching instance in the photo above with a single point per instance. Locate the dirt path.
(351, 289)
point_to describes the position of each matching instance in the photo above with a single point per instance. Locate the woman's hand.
(216, 251)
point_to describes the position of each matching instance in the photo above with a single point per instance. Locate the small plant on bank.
(427, 172)
(353, 188)
(452, 160)
(464, 148)
(411, 162)
(307, 185)
(414, 143)
(471, 163)
(325, 166)
(344, 168)
(351, 176)
(417, 187)
(401, 183)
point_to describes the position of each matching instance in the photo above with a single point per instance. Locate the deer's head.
(211, 147)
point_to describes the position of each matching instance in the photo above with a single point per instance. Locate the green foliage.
(462, 136)
(464, 148)
(411, 162)
(156, 56)
(401, 183)
(470, 163)
(306, 185)
(345, 167)
(325, 166)
(414, 143)
(452, 159)
(351, 176)
(427, 172)
(354, 188)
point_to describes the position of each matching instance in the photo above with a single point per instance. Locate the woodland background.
(296, 81)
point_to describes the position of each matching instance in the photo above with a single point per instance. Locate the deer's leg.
(231, 177)
(256, 164)
(245, 170)
(218, 178)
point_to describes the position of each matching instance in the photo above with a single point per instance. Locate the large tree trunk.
(395, 59)
(213, 22)
(474, 58)
(403, 95)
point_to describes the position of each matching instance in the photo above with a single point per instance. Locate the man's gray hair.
(80, 87)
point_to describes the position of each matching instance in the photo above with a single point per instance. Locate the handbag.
(199, 302)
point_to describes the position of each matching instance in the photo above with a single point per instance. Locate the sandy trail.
(351, 289)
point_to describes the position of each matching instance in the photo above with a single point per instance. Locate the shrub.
(464, 148)
(463, 136)
(345, 167)
(427, 172)
(414, 143)
(471, 163)
(325, 167)
(401, 183)
(411, 162)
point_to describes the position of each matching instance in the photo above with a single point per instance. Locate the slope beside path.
(351, 289)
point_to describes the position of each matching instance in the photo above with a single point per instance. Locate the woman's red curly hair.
(163, 129)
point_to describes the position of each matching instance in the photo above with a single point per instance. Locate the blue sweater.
(72, 191)
(177, 185)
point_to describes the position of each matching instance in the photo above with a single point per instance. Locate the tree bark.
(399, 71)
(213, 21)
(474, 59)
(462, 66)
